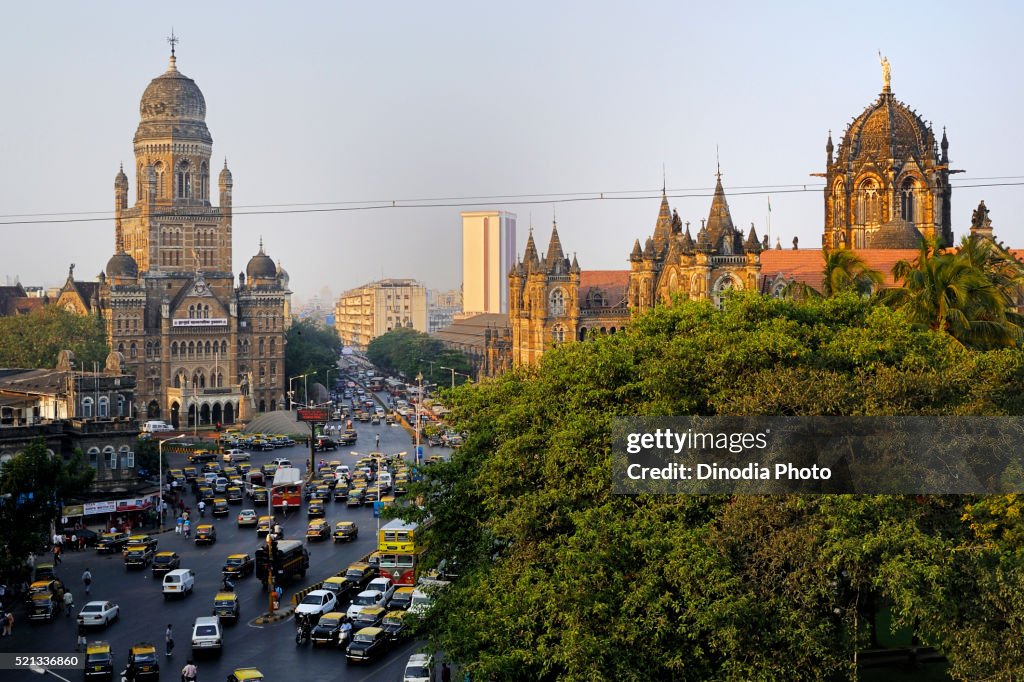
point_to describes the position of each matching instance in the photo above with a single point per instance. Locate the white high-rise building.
(488, 253)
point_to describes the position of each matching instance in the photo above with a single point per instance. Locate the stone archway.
(175, 416)
(229, 414)
(263, 406)
(153, 410)
(216, 414)
(273, 404)
(192, 415)
(204, 414)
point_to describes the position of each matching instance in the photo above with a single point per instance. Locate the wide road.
(145, 614)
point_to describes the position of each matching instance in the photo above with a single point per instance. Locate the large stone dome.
(896, 234)
(122, 265)
(173, 105)
(260, 266)
(887, 129)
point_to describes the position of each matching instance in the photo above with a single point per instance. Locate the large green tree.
(310, 348)
(34, 340)
(409, 352)
(33, 486)
(561, 579)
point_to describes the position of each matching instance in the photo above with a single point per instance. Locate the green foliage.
(561, 579)
(409, 352)
(310, 348)
(33, 341)
(51, 482)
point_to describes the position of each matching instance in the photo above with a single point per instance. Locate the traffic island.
(274, 617)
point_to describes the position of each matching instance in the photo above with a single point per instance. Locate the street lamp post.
(160, 464)
(453, 374)
(291, 393)
(42, 671)
(416, 415)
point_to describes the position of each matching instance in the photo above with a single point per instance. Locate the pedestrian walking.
(169, 639)
(378, 441)
(74, 541)
(69, 602)
(8, 623)
(81, 643)
(56, 555)
(178, 524)
(81, 542)
(87, 581)
(189, 672)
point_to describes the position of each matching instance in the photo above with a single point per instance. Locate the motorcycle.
(303, 631)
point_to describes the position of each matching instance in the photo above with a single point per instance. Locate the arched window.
(184, 181)
(208, 351)
(261, 347)
(191, 348)
(272, 347)
(908, 200)
(206, 312)
(120, 406)
(556, 302)
(204, 180)
(558, 333)
(839, 204)
(174, 349)
(110, 456)
(869, 203)
(160, 187)
(202, 381)
(87, 407)
(191, 312)
(120, 348)
(177, 381)
(132, 351)
(103, 408)
(224, 348)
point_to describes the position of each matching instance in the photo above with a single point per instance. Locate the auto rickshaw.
(99, 662)
(245, 675)
(143, 659)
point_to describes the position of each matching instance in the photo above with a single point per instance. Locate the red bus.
(286, 492)
(400, 548)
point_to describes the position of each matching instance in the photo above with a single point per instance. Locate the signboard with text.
(200, 322)
(313, 414)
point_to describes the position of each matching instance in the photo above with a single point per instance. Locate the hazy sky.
(319, 103)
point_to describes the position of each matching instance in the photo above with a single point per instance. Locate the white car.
(236, 455)
(364, 600)
(281, 462)
(420, 668)
(100, 613)
(316, 604)
(421, 602)
(179, 582)
(383, 585)
(207, 634)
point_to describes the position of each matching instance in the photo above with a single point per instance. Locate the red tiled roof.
(805, 265)
(613, 285)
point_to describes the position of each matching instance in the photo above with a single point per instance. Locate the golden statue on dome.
(886, 71)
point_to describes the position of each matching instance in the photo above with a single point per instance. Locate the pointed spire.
(753, 244)
(575, 267)
(636, 254)
(554, 254)
(945, 146)
(174, 60)
(686, 241)
(719, 219)
(530, 258)
(829, 147)
(649, 249)
(663, 227)
(261, 243)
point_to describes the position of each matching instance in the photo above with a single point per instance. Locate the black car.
(347, 437)
(109, 543)
(394, 626)
(164, 562)
(328, 630)
(324, 443)
(367, 644)
(238, 566)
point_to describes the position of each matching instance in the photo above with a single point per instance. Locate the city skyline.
(352, 104)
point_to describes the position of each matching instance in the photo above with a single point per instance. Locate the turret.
(120, 190)
(829, 148)
(752, 245)
(226, 183)
(945, 146)
(636, 254)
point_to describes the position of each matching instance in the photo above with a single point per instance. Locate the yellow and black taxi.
(369, 617)
(238, 566)
(328, 630)
(177, 477)
(402, 598)
(245, 675)
(143, 661)
(318, 530)
(316, 508)
(233, 494)
(206, 534)
(164, 562)
(394, 625)
(341, 491)
(225, 606)
(191, 473)
(244, 468)
(111, 542)
(43, 604)
(205, 494)
(220, 506)
(371, 495)
(401, 486)
(99, 662)
(321, 491)
(387, 500)
(140, 539)
(138, 556)
(341, 586)
(367, 644)
(260, 495)
(361, 573)
(345, 531)
(45, 572)
(264, 525)
(355, 497)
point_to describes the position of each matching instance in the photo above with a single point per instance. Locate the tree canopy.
(561, 579)
(408, 352)
(33, 341)
(310, 348)
(33, 486)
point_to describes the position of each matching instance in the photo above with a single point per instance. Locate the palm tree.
(950, 292)
(843, 270)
